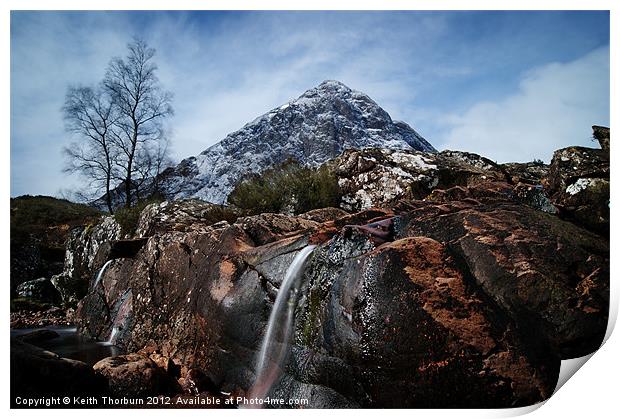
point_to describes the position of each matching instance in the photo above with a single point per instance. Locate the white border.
(592, 393)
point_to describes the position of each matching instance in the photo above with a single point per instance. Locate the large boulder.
(550, 276)
(398, 326)
(578, 183)
(134, 375)
(475, 290)
(380, 177)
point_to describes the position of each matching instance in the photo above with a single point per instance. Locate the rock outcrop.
(40, 290)
(381, 177)
(578, 183)
(471, 301)
(80, 258)
(445, 280)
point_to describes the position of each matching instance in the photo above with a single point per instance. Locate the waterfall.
(279, 327)
(119, 321)
(113, 334)
(101, 271)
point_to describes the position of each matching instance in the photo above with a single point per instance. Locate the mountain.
(317, 126)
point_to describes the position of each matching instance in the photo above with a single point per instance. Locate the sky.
(509, 85)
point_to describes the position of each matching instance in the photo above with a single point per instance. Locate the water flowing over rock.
(276, 342)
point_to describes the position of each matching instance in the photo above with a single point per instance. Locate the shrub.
(289, 188)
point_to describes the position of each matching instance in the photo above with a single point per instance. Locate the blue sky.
(512, 86)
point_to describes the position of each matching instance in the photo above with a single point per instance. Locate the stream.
(70, 344)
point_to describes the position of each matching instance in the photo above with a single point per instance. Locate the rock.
(26, 316)
(165, 363)
(530, 173)
(602, 136)
(533, 265)
(535, 197)
(80, 263)
(118, 249)
(267, 228)
(322, 215)
(36, 373)
(182, 215)
(398, 327)
(578, 184)
(469, 297)
(133, 375)
(197, 382)
(381, 177)
(41, 290)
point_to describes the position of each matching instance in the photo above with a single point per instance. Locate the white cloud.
(554, 107)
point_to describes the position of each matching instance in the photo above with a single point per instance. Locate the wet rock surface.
(462, 287)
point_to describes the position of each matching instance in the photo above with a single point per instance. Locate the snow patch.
(582, 184)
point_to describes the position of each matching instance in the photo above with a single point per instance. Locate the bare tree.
(89, 114)
(142, 106)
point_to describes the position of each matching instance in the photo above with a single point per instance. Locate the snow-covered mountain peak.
(317, 126)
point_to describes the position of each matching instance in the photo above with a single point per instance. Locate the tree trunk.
(108, 198)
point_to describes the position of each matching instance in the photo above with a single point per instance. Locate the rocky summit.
(316, 127)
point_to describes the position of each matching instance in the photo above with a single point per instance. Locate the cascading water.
(113, 334)
(279, 328)
(119, 321)
(101, 272)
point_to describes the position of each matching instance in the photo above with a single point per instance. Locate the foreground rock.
(134, 375)
(35, 373)
(471, 302)
(457, 283)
